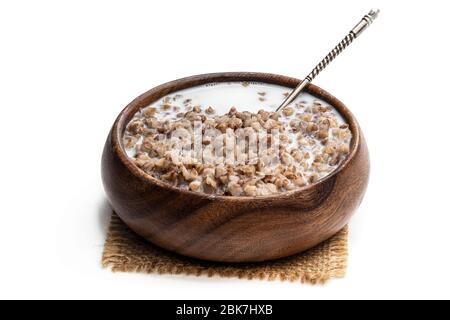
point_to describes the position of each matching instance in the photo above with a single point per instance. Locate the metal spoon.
(353, 34)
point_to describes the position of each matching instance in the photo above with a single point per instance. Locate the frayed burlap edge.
(124, 251)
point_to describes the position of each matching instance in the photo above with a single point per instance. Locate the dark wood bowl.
(225, 228)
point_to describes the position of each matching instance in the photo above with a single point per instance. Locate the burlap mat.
(125, 251)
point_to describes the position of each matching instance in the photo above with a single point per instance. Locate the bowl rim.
(162, 90)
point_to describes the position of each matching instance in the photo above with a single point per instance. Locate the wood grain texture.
(233, 229)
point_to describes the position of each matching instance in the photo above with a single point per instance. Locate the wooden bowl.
(225, 228)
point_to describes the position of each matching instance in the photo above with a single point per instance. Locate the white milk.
(224, 95)
(253, 97)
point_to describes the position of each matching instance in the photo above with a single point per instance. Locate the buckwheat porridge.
(223, 139)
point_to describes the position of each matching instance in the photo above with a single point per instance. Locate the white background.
(67, 68)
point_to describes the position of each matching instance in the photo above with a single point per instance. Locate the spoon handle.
(352, 35)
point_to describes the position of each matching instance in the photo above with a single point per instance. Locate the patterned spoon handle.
(352, 35)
